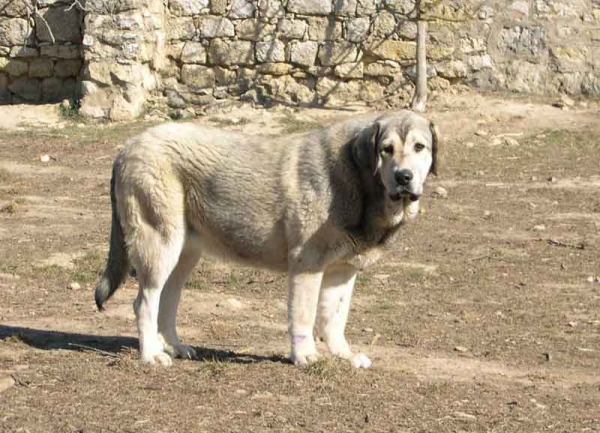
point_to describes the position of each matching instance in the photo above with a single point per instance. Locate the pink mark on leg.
(298, 338)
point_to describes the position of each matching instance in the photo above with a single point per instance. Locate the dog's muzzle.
(404, 193)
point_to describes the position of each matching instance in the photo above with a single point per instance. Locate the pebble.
(6, 382)
(539, 227)
(470, 145)
(369, 330)
(74, 286)
(533, 178)
(441, 192)
(461, 349)
(552, 179)
(45, 158)
(592, 279)
(511, 142)
(487, 213)
(465, 416)
(481, 133)
(234, 303)
(572, 324)
(496, 142)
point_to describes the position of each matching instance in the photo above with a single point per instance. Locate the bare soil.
(481, 320)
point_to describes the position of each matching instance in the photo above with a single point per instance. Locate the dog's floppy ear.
(436, 146)
(375, 140)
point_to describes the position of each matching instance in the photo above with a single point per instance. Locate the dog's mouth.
(397, 196)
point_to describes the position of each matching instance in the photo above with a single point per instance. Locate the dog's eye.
(389, 149)
(419, 147)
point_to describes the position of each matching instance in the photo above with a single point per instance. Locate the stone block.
(181, 28)
(452, 69)
(384, 25)
(41, 68)
(61, 51)
(304, 53)
(366, 7)
(13, 31)
(270, 51)
(187, 7)
(349, 70)
(392, 50)
(215, 27)
(13, 8)
(334, 53)
(324, 29)
(310, 7)
(27, 89)
(65, 25)
(385, 68)
(530, 41)
(274, 68)
(21, 52)
(357, 29)
(14, 68)
(254, 30)
(67, 68)
(227, 53)
(241, 9)
(477, 63)
(193, 52)
(224, 77)
(218, 7)
(271, 9)
(197, 76)
(403, 7)
(345, 8)
(291, 29)
(570, 58)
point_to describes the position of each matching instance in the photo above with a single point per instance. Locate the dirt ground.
(485, 317)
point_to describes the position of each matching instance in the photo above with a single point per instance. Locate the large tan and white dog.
(320, 205)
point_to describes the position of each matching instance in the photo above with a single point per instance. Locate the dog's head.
(404, 150)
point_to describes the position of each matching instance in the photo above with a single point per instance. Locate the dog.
(320, 206)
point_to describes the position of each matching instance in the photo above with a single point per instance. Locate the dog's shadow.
(113, 345)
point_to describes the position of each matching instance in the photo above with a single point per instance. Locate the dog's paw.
(160, 358)
(360, 360)
(184, 351)
(305, 360)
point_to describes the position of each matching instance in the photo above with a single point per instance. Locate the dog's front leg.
(303, 298)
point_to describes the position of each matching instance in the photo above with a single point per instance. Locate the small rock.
(470, 145)
(6, 382)
(533, 178)
(495, 142)
(564, 102)
(551, 179)
(441, 192)
(591, 279)
(487, 213)
(539, 228)
(511, 142)
(241, 392)
(481, 133)
(74, 286)
(369, 330)
(540, 136)
(45, 158)
(234, 303)
(547, 356)
(572, 324)
(461, 349)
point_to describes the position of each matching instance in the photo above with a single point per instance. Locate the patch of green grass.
(88, 268)
(70, 111)
(8, 268)
(50, 271)
(414, 275)
(292, 125)
(213, 367)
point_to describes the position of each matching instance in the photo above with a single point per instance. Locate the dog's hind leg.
(169, 301)
(334, 305)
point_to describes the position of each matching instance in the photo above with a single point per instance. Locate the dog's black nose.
(404, 176)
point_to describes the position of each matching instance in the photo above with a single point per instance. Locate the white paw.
(160, 358)
(360, 360)
(305, 360)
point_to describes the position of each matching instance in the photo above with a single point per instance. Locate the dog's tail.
(118, 262)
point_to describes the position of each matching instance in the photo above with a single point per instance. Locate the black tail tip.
(102, 294)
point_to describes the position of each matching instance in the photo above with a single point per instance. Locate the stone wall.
(40, 55)
(188, 53)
